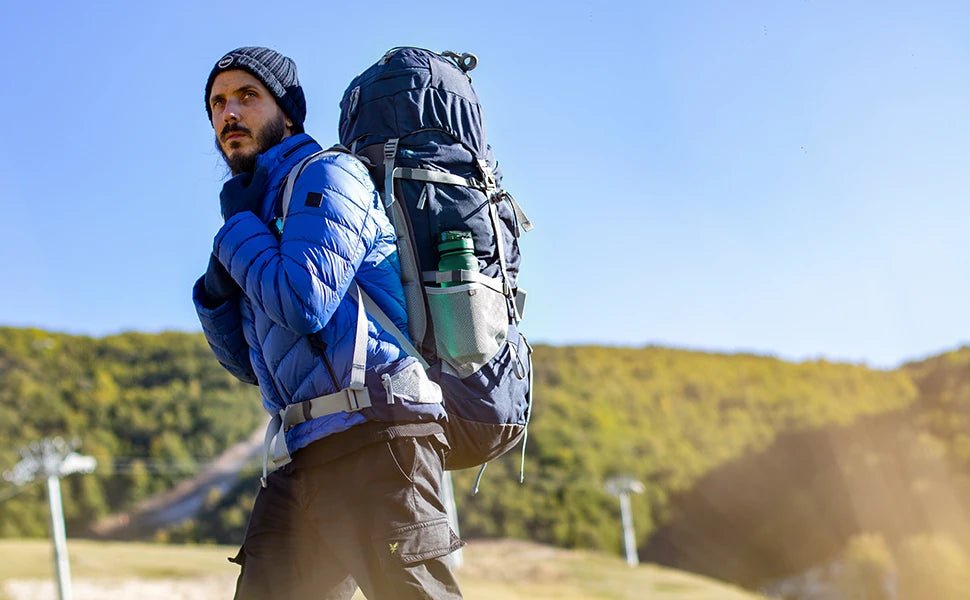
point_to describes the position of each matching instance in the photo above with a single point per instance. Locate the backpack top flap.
(408, 90)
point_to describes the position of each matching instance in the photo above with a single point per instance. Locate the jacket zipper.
(320, 349)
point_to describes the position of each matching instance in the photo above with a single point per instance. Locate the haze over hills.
(740, 454)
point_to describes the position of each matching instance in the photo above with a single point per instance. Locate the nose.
(230, 113)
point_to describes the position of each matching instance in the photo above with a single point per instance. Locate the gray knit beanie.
(275, 71)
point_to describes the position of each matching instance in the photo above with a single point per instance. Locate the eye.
(217, 102)
(248, 94)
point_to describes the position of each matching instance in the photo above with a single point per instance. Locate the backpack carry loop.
(466, 61)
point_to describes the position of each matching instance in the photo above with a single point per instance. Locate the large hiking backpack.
(415, 119)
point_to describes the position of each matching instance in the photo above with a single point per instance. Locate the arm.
(222, 326)
(300, 279)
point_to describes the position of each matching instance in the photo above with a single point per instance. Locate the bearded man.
(356, 426)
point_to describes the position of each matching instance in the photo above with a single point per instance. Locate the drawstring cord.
(478, 479)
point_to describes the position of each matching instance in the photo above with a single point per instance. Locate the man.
(279, 305)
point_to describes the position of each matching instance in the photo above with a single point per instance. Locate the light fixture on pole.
(622, 487)
(53, 458)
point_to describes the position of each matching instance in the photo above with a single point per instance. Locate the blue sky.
(787, 178)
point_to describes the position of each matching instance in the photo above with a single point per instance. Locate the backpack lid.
(412, 89)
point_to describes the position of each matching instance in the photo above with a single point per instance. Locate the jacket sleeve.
(299, 280)
(222, 326)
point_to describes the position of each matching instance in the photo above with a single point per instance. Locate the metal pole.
(629, 537)
(455, 559)
(54, 459)
(61, 563)
(621, 487)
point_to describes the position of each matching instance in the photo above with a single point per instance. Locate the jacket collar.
(278, 161)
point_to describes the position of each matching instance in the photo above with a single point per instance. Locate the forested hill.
(666, 417)
(151, 408)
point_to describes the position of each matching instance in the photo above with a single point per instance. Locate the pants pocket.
(403, 451)
(412, 544)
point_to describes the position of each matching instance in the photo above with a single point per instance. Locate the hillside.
(666, 417)
(151, 408)
(717, 439)
(944, 407)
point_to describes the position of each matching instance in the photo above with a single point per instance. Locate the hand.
(243, 192)
(219, 284)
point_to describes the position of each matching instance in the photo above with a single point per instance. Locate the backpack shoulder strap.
(294, 174)
(381, 317)
(298, 169)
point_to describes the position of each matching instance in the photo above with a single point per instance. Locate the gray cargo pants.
(372, 518)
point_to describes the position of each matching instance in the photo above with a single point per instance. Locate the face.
(245, 118)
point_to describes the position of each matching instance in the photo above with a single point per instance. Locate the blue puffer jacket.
(296, 286)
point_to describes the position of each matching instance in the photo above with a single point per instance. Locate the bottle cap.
(456, 241)
(447, 236)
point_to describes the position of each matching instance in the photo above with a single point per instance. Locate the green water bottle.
(456, 252)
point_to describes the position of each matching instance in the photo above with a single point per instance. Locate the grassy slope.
(511, 570)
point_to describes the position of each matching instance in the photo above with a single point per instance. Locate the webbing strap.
(429, 176)
(291, 181)
(297, 170)
(435, 177)
(346, 400)
(381, 317)
(520, 215)
(390, 151)
(500, 249)
(520, 296)
(360, 343)
(488, 177)
(350, 399)
(276, 453)
(463, 276)
(274, 441)
(410, 273)
(423, 198)
(491, 193)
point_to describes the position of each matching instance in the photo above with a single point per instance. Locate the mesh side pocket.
(470, 324)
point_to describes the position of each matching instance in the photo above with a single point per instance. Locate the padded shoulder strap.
(381, 317)
(291, 181)
(297, 170)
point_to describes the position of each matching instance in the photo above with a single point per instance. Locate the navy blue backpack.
(414, 118)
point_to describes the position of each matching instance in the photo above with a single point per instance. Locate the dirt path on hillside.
(187, 497)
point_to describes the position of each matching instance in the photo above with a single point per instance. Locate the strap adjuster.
(488, 177)
(390, 149)
(353, 403)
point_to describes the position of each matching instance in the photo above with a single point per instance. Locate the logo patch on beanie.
(225, 62)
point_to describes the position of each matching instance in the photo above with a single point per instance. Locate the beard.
(268, 136)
